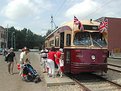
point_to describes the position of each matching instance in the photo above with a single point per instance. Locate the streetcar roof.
(84, 22)
(71, 25)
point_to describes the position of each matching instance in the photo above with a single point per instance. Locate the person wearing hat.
(61, 63)
(44, 59)
(10, 60)
(57, 58)
(21, 60)
(24, 58)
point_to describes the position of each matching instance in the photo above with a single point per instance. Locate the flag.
(77, 22)
(103, 26)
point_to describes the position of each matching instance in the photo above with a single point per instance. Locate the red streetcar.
(84, 50)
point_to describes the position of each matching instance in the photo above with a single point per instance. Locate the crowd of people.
(50, 59)
(10, 57)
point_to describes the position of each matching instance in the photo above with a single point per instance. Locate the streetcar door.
(62, 40)
(67, 61)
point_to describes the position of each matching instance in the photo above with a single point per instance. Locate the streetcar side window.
(68, 56)
(56, 41)
(68, 39)
(51, 43)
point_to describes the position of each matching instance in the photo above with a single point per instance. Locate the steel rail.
(114, 70)
(78, 82)
(114, 65)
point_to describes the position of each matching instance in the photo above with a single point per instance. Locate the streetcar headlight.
(93, 57)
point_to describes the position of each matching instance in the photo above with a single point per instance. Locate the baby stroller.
(30, 74)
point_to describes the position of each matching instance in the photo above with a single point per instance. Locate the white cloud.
(17, 9)
(94, 9)
(82, 8)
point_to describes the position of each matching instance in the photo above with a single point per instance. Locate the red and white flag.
(103, 26)
(77, 22)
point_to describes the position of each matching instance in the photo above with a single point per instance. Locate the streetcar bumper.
(78, 68)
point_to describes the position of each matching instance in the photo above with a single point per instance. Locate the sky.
(36, 14)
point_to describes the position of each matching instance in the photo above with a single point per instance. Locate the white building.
(3, 38)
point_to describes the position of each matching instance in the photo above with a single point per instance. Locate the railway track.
(114, 67)
(93, 82)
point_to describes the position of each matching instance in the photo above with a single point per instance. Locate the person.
(61, 62)
(44, 59)
(21, 61)
(10, 57)
(26, 56)
(24, 59)
(57, 58)
(50, 62)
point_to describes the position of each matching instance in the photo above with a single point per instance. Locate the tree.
(48, 32)
(25, 37)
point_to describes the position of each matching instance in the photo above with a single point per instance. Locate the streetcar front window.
(98, 39)
(82, 38)
(89, 38)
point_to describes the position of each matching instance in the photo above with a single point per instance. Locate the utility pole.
(14, 38)
(53, 23)
(7, 37)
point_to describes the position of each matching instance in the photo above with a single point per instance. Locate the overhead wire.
(60, 7)
(98, 8)
(92, 13)
(58, 10)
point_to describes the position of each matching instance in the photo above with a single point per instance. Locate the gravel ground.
(64, 88)
(112, 75)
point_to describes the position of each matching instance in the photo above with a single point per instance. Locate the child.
(61, 62)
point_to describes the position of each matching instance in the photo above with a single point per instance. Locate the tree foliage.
(24, 37)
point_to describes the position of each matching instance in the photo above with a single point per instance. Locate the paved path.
(14, 82)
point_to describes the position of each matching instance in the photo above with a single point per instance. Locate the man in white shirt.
(44, 59)
(24, 58)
